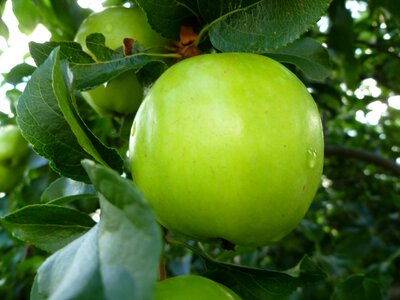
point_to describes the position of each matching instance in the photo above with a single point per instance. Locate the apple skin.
(123, 94)
(228, 146)
(13, 147)
(192, 287)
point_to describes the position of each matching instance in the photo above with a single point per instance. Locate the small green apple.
(123, 94)
(192, 287)
(13, 147)
(10, 177)
(228, 146)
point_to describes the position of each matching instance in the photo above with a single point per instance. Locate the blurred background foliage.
(352, 229)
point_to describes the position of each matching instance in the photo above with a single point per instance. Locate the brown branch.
(363, 155)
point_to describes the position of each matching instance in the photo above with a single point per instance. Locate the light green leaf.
(117, 259)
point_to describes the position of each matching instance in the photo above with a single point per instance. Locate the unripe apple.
(228, 146)
(192, 287)
(13, 147)
(10, 177)
(123, 94)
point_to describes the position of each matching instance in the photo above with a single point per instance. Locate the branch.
(365, 156)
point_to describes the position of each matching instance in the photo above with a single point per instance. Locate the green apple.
(123, 94)
(192, 287)
(10, 177)
(228, 146)
(13, 147)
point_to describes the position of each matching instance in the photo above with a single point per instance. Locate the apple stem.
(227, 245)
(162, 270)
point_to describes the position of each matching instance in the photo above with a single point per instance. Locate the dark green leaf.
(117, 259)
(150, 72)
(258, 284)
(167, 16)
(48, 227)
(357, 287)
(63, 91)
(19, 72)
(95, 42)
(70, 15)
(341, 35)
(65, 190)
(341, 40)
(68, 50)
(43, 124)
(88, 74)
(49, 121)
(306, 54)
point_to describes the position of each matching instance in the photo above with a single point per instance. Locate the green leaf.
(61, 17)
(43, 124)
(86, 73)
(49, 121)
(69, 14)
(259, 26)
(68, 50)
(72, 272)
(117, 259)
(341, 41)
(28, 15)
(254, 283)
(17, 73)
(167, 16)
(96, 43)
(4, 29)
(89, 75)
(48, 227)
(357, 287)
(258, 284)
(65, 190)
(91, 144)
(245, 26)
(306, 54)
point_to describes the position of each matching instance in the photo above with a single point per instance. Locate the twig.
(365, 156)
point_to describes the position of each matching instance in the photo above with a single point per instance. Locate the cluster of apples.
(224, 146)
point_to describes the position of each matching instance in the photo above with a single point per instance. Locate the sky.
(15, 49)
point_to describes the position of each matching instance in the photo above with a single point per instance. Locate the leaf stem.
(162, 269)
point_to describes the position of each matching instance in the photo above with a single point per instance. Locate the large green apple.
(192, 287)
(13, 147)
(123, 94)
(228, 146)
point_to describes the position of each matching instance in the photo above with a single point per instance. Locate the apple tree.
(213, 149)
